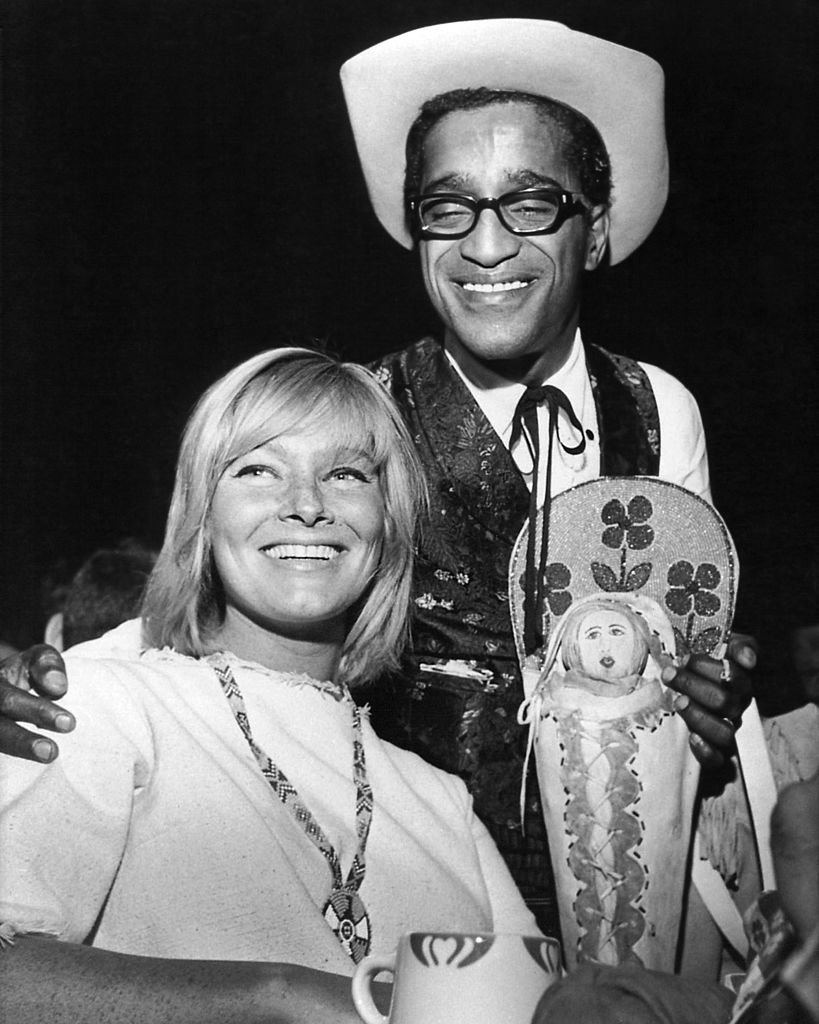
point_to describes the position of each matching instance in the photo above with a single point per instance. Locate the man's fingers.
(19, 742)
(709, 757)
(709, 711)
(20, 706)
(46, 670)
(699, 680)
(721, 687)
(743, 649)
(711, 737)
(730, 695)
(40, 667)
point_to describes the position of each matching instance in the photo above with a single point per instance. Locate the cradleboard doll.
(637, 573)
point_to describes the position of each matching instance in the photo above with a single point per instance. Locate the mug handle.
(362, 993)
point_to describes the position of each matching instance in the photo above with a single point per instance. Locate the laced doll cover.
(638, 573)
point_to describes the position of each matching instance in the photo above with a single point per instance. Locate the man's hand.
(713, 695)
(42, 669)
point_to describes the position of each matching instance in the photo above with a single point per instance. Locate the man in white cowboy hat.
(515, 155)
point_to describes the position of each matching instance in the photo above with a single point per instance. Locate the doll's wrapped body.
(617, 780)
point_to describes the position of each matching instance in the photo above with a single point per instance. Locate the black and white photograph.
(316, 318)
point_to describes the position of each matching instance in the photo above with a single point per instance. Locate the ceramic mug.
(460, 978)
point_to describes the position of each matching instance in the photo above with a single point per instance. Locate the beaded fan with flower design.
(617, 778)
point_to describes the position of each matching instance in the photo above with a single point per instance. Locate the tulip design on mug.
(459, 950)
(460, 977)
(445, 949)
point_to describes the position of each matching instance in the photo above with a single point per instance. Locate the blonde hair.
(267, 396)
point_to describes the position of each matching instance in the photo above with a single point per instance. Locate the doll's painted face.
(608, 645)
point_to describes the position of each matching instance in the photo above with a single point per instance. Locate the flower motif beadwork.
(628, 525)
(692, 589)
(691, 595)
(556, 581)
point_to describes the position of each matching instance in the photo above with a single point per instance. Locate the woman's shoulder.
(418, 773)
(127, 700)
(123, 641)
(117, 658)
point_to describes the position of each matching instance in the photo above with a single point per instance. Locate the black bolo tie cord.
(535, 577)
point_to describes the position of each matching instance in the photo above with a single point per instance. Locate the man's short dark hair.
(583, 148)
(105, 591)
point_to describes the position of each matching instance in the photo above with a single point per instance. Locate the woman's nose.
(305, 502)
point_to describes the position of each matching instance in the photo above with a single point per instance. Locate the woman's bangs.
(348, 414)
(261, 413)
(343, 411)
(352, 429)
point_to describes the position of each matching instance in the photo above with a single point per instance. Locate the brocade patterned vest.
(464, 719)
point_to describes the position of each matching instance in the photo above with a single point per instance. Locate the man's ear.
(597, 238)
(54, 631)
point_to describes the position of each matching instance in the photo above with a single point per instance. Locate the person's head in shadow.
(105, 591)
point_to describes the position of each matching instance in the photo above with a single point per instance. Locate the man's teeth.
(319, 551)
(501, 286)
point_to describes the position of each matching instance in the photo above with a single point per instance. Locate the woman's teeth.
(320, 551)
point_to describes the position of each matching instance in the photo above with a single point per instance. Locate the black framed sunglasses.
(526, 211)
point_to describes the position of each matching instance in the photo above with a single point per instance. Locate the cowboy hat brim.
(619, 90)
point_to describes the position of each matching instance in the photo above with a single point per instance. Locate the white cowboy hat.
(619, 90)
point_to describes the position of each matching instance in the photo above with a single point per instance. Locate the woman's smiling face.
(296, 528)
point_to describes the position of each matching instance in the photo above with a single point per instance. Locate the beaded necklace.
(344, 910)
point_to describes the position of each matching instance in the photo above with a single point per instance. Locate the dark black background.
(180, 190)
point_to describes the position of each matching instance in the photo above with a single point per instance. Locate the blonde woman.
(233, 837)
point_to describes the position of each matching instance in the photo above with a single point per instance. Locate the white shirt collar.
(498, 399)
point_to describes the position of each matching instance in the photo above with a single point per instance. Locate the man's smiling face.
(504, 299)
